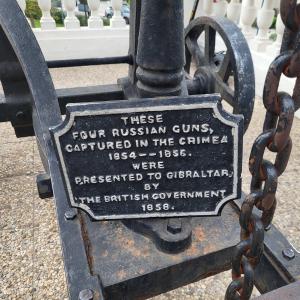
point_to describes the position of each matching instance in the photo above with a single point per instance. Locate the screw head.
(174, 226)
(86, 294)
(70, 214)
(288, 253)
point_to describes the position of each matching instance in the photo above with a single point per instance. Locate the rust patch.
(121, 274)
(87, 242)
(129, 243)
(141, 271)
(130, 246)
(193, 250)
(105, 253)
(199, 234)
(209, 249)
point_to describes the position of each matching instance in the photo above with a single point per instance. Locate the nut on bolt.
(86, 295)
(44, 186)
(70, 214)
(174, 226)
(288, 253)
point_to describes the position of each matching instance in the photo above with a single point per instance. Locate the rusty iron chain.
(280, 108)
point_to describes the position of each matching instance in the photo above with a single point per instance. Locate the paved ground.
(31, 266)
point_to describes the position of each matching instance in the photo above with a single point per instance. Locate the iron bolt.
(20, 115)
(70, 214)
(44, 186)
(288, 253)
(86, 295)
(174, 226)
(267, 228)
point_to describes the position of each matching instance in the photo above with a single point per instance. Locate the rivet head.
(70, 214)
(288, 253)
(86, 295)
(20, 115)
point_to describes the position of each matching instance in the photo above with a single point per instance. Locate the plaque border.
(212, 101)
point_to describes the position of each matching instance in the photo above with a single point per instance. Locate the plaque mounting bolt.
(174, 225)
(267, 228)
(86, 295)
(288, 253)
(70, 214)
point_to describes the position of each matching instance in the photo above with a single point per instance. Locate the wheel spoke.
(225, 68)
(210, 41)
(218, 69)
(226, 92)
(195, 51)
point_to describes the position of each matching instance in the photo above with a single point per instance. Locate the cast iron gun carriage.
(139, 257)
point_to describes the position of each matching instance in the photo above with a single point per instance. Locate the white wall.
(83, 42)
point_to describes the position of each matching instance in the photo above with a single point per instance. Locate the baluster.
(234, 11)
(276, 4)
(47, 22)
(274, 49)
(117, 20)
(248, 15)
(95, 20)
(71, 21)
(207, 7)
(219, 8)
(264, 21)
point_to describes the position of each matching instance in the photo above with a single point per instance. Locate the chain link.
(280, 108)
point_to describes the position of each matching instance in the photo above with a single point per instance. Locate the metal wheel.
(229, 72)
(29, 94)
(28, 89)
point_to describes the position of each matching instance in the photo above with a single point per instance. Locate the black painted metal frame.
(90, 62)
(94, 253)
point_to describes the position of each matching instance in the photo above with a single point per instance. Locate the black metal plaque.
(178, 156)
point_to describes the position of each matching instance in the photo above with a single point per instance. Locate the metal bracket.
(170, 235)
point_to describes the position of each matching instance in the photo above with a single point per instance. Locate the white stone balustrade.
(234, 11)
(71, 21)
(207, 7)
(220, 8)
(248, 16)
(95, 20)
(117, 20)
(274, 49)
(264, 21)
(96, 40)
(47, 22)
(22, 4)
